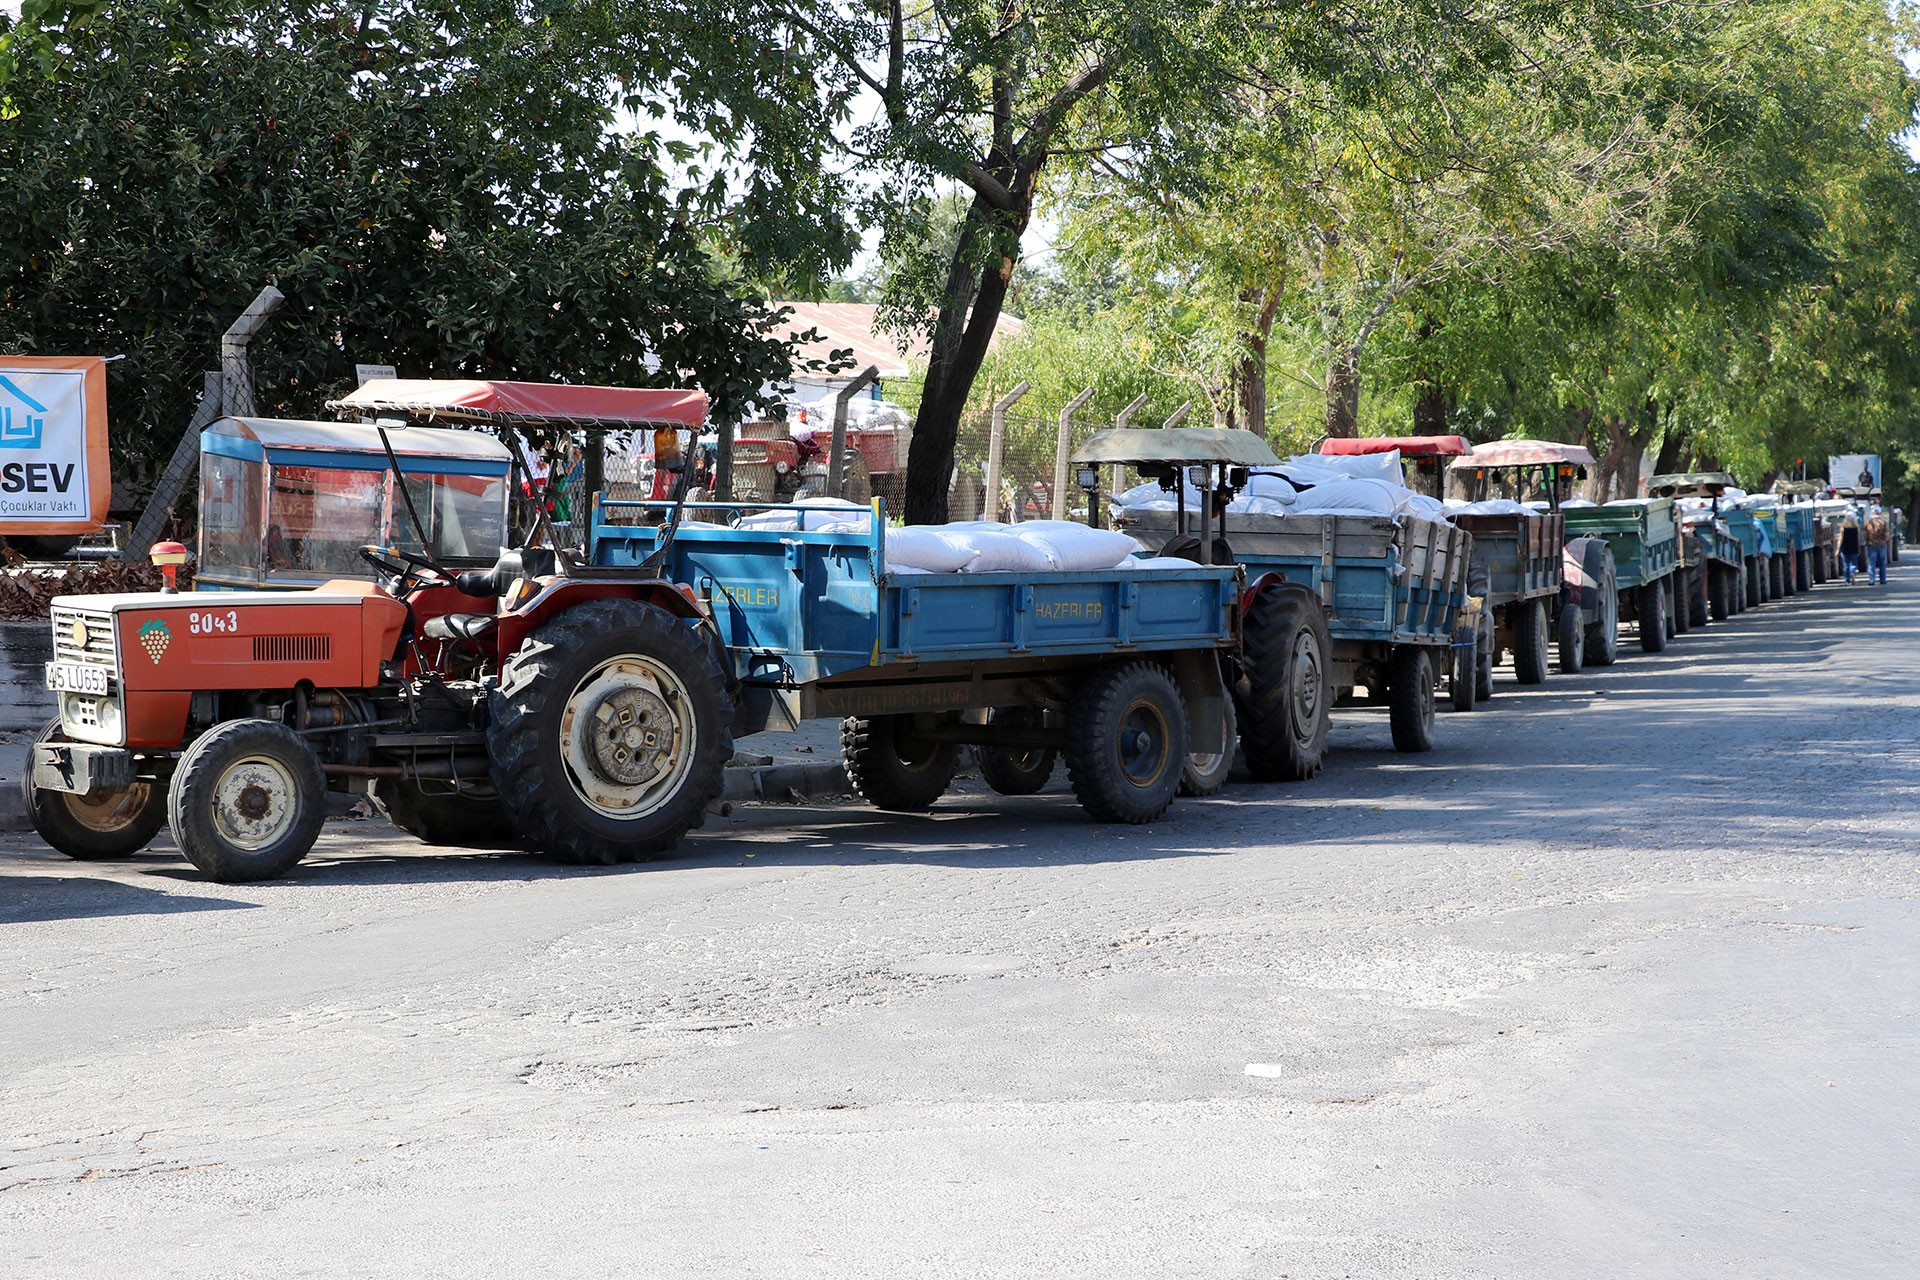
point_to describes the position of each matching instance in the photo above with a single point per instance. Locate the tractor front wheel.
(247, 801)
(609, 733)
(893, 767)
(114, 824)
(1410, 698)
(1016, 771)
(1283, 694)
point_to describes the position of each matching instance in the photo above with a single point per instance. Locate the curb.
(13, 807)
(785, 783)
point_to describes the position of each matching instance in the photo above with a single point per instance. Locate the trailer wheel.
(1410, 698)
(1603, 633)
(1529, 641)
(117, 824)
(1572, 643)
(1821, 565)
(457, 820)
(1205, 772)
(247, 801)
(609, 733)
(1126, 742)
(1016, 771)
(1679, 606)
(1777, 577)
(1485, 654)
(1721, 605)
(1651, 606)
(892, 767)
(1463, 676)
(1284, 690)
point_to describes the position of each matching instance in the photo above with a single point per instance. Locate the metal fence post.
(236, 370)
(996, 449)
(1063, 451)
(1134, 406)
(836, 459)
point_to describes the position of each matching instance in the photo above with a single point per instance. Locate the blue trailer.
(1121, 672)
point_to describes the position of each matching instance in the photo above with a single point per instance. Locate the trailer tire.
(1015, 771)
(1484, 654)
(1722, 604)
(1205, 772)
(1572, 643)
(1410, 698)
(1530, 642)
(247, 801)
(1126, 742)
(579, 795)
(1651, 606)
(1777, 577)
(1463, 676)
(118, 824)
(1822, 565)
(447, 819)
(891, 767)
(1679, 605)
(1284, 689)
(1603, 633)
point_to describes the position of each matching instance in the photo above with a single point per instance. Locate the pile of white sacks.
(1311, 484)
(980, 546)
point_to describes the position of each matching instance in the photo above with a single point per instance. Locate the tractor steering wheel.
(404, 569)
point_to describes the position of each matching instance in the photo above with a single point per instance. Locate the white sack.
(1003, 553)
(1349, 496)
(1075, 547)
(929, 547)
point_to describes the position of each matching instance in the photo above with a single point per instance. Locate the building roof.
(854, 324)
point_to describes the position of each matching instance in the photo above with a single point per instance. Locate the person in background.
(1879, 537)
(1850, 546)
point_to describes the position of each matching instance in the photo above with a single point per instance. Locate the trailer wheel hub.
(626, 736)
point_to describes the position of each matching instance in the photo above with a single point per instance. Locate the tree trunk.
(1670, 458)
(961, 335)
(1343, 392)
(1249, 375)
(1433, 405)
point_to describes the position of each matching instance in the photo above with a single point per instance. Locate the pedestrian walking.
(1879, 536)
(1850, 546)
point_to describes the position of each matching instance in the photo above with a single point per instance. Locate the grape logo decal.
(154, 638)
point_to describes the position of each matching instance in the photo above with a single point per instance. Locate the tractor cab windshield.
(1534, 471)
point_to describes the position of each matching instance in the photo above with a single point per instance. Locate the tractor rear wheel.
(1016, 771)
(1651, 605)
(1126, 742)
(1777, 587)
(1284, 692)
(1722, 603)
(247, 801)
(609, 733)
(1410, 698)
(1602, 579)
(114, 824)
(892, 767)
(1573, 643)
(444, 817)
(1530, 641)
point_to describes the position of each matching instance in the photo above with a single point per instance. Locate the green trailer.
(1645, 542)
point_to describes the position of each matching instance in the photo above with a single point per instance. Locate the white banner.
(1853, 471)
(44, 419)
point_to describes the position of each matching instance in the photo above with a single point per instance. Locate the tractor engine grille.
(292, 648)
(99, 648)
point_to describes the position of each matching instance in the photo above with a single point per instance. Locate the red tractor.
(583, 712)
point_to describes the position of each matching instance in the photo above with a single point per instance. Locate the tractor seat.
(458, 626)
(527, 562)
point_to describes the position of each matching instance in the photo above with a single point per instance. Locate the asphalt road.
(1619, 981)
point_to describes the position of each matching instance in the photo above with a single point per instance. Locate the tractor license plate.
(74, 677)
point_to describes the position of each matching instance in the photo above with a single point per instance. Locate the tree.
(436, 185)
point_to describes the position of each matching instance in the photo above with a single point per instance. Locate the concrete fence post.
(996, 449)
(1063, 450)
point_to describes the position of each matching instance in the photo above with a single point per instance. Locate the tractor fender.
(557, 595)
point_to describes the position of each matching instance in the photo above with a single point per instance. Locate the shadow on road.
(33, 898)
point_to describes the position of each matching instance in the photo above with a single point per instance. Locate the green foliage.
(432, 184)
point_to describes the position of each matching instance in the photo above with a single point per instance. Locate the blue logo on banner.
(22, 418)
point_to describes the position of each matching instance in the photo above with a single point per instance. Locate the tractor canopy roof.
(1128, 446)
(355, 445)
(1408, 446)
(1524, 453)
(1691, 484)
(513, 404)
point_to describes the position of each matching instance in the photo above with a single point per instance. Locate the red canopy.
(514, 403)
(1525, 453)
(1409, 446)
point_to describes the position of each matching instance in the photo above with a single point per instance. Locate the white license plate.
(73, 677)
